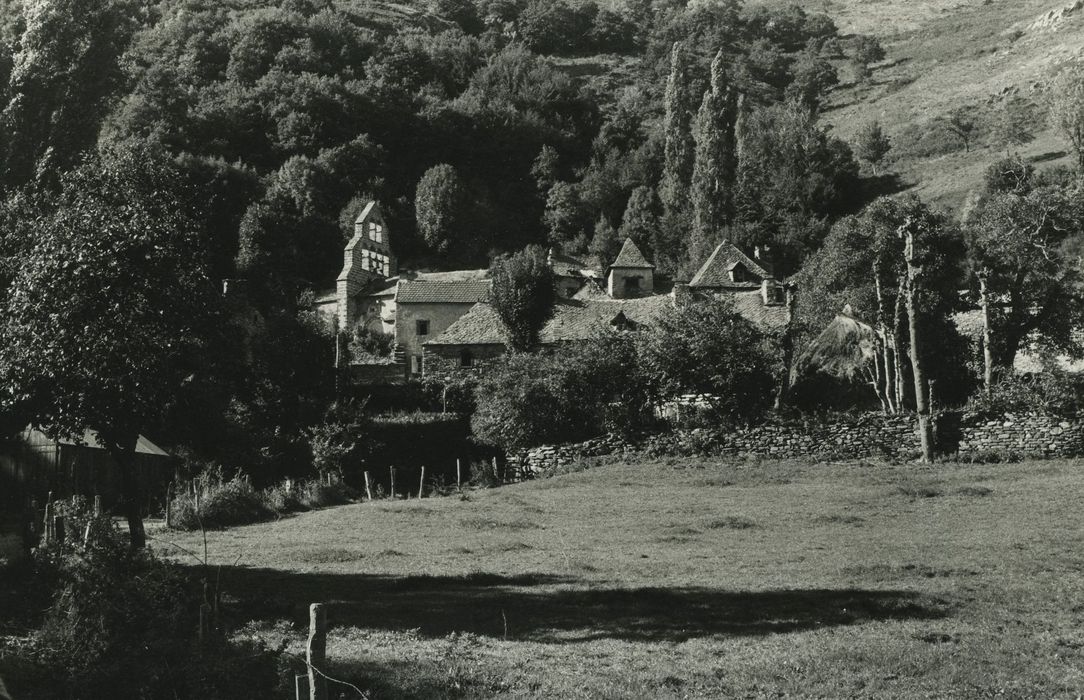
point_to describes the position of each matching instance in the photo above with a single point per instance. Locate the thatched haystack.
(846, 349)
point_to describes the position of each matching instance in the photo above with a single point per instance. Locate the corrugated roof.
(630, 256)
(715, 271)
(442, 292)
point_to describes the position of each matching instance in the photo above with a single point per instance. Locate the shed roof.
(631, 257)
(715, 271)
(424, 291)
(90, 439)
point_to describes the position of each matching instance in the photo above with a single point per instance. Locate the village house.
(440, 323)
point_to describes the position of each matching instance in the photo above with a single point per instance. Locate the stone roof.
(631, 257)
(573, 319)
(715, 272)
(428, 291)
(570, 266)
(751, 306)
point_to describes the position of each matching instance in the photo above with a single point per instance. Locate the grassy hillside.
(690, 579)
(945, 54)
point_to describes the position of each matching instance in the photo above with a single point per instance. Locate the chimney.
(771, 293)
(681, 294)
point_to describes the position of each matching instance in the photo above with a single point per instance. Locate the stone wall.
(870, 435)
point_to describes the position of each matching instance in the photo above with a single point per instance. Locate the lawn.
(689, 578)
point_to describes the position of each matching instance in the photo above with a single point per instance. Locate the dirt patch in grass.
(976, 491)
(917, 491)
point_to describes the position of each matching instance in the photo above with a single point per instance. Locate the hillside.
(945, 54)
(687, 579)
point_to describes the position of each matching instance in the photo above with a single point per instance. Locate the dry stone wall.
(870, 435)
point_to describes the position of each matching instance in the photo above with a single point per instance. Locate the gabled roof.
(423, 291)
(631, 257)
(90, 439)
(715, 271)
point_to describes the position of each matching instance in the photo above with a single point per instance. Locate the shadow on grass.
(555, 609)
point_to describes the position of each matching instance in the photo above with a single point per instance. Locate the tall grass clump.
(211, 501)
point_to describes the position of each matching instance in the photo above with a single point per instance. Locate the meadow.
(687, 578)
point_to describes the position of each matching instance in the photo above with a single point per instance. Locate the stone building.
(630, 275)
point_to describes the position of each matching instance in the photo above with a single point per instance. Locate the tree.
(707, 348)
(1014, 122)
(812, 78)
(65, 73)
(1067, 110)
(462, 12)
(963, 126)
(104, 319)
(546, 168)
(565, 215)
(1022, 243)
(440, 206)
(641, 219)
(715, 166)
(680, 150)
(604, 244)
(523, 295)
(872, 144)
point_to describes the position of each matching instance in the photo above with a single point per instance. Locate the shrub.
(1053, 392)
(576, 392)
(707, 348)
(123, 623)
(215, 502)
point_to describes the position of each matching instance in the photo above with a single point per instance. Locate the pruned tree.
(104, 319)
(523, 295)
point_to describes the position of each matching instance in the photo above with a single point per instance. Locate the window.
(416, 364)
(421, 327)
(466, 359)
(632, 285)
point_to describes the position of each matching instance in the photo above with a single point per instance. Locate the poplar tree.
(679, 148)
(716, 159)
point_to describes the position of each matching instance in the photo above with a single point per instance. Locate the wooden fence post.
(316, 650)
(459, 474)
(393, 483)
(47, 534)
(368, 487)
(421, 484)
(169, 505)
(86, 535)
(496, 474)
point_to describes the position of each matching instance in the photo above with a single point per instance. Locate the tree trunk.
(131, 494)
(897, 346)
(922, 399)
(987, 335)
(788, 351)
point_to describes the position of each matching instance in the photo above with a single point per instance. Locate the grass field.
(689, 578)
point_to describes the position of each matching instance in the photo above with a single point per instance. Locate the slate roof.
(715, 271)
(631, 257)
(751, 306)
(426, 291)
(570, 266)
(573, 319)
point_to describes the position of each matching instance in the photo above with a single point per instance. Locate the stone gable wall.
(871, 435)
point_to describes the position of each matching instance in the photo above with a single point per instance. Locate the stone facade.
(367, 258)
(433, 318)
(871, 435)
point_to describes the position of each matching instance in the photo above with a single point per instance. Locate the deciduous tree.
(105, 317)
(523, 295)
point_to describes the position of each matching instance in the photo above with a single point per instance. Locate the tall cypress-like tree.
(680, 150)
(715, 167)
